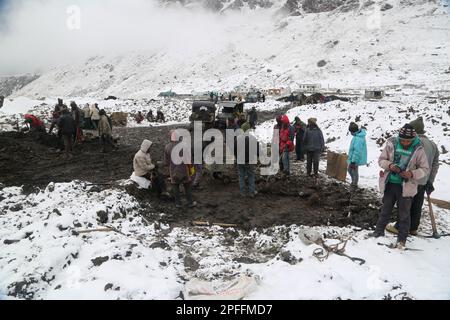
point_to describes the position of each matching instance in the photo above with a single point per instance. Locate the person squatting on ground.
(143, 167)
(357, 154)
(66, 125)
(314, 145)
(405, 163)
(179, 172)
(300, 128)
(246, 151)
(426, 183)
(105, 132)
(34, 124)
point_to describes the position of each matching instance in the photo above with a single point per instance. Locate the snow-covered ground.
(158, 262)
(51, 261)
(380, 118)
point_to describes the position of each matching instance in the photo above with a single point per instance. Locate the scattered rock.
(160, 244)
(321, 63)
(57, 212)
(16, 207)
(116, 216)
(287, 256)
(108, 286)
(245, 260)
(191, 264)
(10, 241)
(386, 7)
(99, 261)
(102, 216)
(61, 228)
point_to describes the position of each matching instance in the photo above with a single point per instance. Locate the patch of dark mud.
(281, 201)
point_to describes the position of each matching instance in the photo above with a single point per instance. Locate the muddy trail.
(298, 199)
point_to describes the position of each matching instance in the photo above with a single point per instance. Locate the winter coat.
(313, 139)
(142, 162)
(358, 149)
(67, 124)
(418, 165)
(299, 131)
(76, 114)
(178, 172)
(94, 113)
(286, 136)
(252, 116)
(246, 149)
(35, 121)
(432, 152)
(87, 112)
(104, 128)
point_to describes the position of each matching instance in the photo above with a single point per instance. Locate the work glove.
(352, 165)
(429, 188)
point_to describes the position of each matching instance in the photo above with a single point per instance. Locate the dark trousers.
(393, 195)
(416, 209)
(312, 157)
(68, 142)
(106, 140)
(87, 124)
(354, 174)
(299, 150)
(187, 190)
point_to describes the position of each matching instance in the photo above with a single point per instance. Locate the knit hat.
(407, 132)
(353, 127)
(418, 125)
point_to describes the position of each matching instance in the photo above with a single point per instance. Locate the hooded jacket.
(285, 136)
(418, 165)
(358, 149)
(104, 128)
(142, 162)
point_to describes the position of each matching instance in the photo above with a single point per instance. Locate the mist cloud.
(38, 34)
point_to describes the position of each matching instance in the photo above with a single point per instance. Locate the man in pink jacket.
(404, 162)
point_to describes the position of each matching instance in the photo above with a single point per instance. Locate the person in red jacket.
(35, 124)
(286, 144)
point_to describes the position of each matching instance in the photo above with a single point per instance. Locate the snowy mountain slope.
(42, 257)
(364, 47)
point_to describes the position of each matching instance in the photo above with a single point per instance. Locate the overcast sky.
(36, 34)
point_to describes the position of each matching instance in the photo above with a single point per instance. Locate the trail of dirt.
(281, 201)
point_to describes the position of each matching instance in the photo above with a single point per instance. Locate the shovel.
(433, 221)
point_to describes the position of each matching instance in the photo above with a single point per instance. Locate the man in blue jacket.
(357, 155)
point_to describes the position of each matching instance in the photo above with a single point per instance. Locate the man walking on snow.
(426, 183)
(357, 155)
(405, 163)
